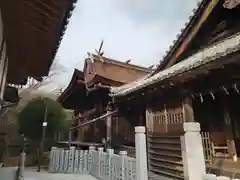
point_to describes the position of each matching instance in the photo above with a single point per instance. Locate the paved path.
(31, 174)
(8, 173)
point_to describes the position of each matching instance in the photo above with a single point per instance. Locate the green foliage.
(32, 117)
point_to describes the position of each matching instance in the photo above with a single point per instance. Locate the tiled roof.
(207, 55)
(175, 42)
(66, 20)
(184, 31)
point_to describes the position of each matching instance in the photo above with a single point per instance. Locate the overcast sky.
(138, 29)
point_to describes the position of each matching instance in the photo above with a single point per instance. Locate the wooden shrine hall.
(197, 81)
(88, 95)
(30, 34)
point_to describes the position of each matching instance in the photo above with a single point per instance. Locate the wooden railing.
(131, 151)
(208, 147)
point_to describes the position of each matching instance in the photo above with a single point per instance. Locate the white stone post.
(99, 168)
(71, 159)
(210, 177)
(192, 152)
(60, 160)
(123, 155)
(52, 163)
(90, 158)
(109, 169)
(76, 161)
(85, 161)
(66, 161)
(22, 165)
(141, 153)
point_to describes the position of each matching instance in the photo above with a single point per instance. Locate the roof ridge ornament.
(100, 52)
(230, 4)
(90, 56)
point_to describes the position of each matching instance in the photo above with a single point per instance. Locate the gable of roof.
(77, 80)
(188, 33)
(112, 70)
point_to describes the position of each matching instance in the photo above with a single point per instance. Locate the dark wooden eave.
(33, 31)
(183, 34)
(211, 23)
(206, 79)
(75, 91)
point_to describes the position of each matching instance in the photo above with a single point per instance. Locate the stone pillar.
(22, 165)
(141, 153)
(123, 155)
(71, 160)
(66, 160)
(192, 152)
(99, 163)
(110, 168)
(90, 158)
(52, 162)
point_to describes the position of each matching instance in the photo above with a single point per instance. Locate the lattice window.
(161, 120)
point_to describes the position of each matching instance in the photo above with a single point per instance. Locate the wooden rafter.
(45, 7)
(46, 15)
(32, 29)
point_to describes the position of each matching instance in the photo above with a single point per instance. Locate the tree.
(33, 114)
(32, 90)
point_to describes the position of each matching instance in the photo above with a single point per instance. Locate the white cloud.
(138, 29)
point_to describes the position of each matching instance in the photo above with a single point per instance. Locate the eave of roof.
(77, 77)
(24, 69)
(193, 19)
(207, 55)
(66, 20)
(122, 64)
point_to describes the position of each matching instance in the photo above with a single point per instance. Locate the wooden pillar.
(229, 130)
(3, 68)
(149, 120)
(188, 114)
(80, 131)
(4, 77)
(109, 126)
